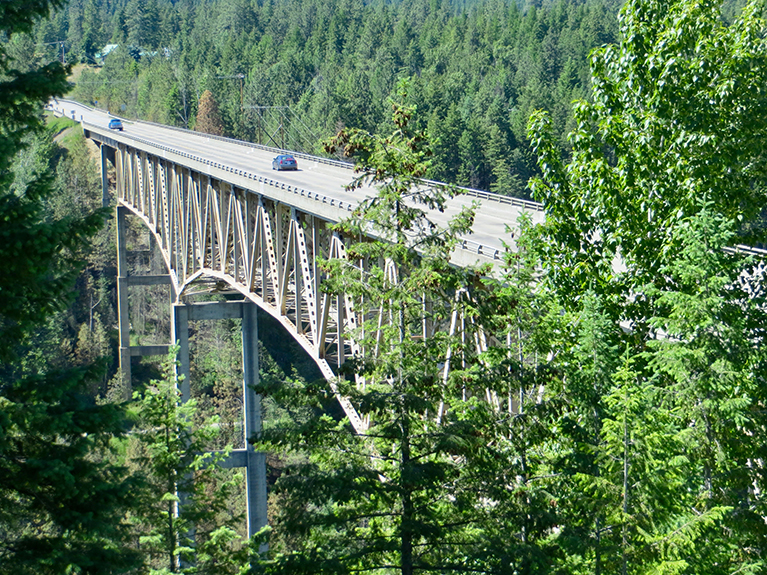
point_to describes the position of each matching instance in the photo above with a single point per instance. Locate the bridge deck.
(316, 187)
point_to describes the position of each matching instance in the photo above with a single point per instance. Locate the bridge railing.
(744, 249)
(481, 194)
(262, 147)
(270, 149)
(347, 206)
(526, 204)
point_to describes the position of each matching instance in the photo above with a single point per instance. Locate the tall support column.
(104, 179)
(255, 462)
(123, 315)
(124, 281)
(179, 334)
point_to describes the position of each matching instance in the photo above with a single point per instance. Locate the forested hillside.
(478, 70)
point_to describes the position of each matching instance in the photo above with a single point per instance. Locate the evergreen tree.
(183, 522)
(513, 471)
(394, 496)
(142, 24)
(480, 70)
(61, 501)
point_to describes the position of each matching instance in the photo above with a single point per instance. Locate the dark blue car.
(284, 162)
(115, 124)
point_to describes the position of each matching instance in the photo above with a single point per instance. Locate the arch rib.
(208, 229)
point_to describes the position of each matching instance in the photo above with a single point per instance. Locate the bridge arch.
(212, 231)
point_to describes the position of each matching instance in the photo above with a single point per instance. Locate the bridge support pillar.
(179, 335)
(123, 316)
(124, 281)
(253, 462)
(104, 178)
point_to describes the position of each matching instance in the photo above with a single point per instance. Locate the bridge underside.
(216, 236)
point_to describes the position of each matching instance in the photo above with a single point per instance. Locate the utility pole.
(63, 50)
(260, 120)
(280, 125)
(241, 77)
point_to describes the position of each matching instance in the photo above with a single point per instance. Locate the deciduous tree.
(667, 175)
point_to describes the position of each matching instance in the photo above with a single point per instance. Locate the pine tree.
(395, 496)
(183, 522)
(62, 502)
(514, 469)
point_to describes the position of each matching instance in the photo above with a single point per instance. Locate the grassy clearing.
(65, 131)
(56, 125)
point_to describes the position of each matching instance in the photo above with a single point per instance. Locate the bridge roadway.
(324, 179)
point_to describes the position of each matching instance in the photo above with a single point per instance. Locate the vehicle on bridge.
(284, 162)
(115, 124)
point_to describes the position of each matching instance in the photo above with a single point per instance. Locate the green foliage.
(395, 166)
(480, 69)
(680, 96)
(62, 501)
(394, 495)
(183, 521)
(619, 427)
(667, 175)
(40, 253)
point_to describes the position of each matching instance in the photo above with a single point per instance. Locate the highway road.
(493, 216)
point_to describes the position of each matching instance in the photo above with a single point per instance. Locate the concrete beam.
(215, 310)
(237, 458)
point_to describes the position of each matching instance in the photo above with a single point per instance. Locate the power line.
(241, 77)
(109, 82)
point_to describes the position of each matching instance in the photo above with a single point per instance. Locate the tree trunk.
(406, 525)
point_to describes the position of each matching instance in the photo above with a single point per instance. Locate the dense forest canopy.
(479, 69)
(290, 73)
